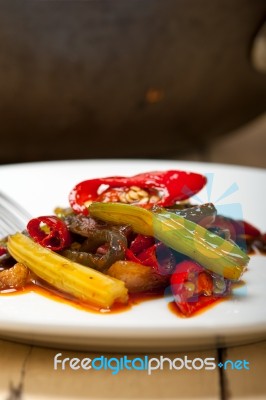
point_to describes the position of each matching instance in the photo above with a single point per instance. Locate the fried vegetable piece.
(84, 283)
(138, 278)
(15, 277)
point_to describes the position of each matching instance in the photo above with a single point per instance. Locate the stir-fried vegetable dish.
(127, 235)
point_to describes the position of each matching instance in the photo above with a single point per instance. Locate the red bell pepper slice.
(192, 287)
(58, 236)
(172, 186)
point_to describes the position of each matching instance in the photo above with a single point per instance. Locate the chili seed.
(137, 195)
(219, 285)
(143, 193)
(132, 195)
(154, 199)
(190, 287)
(122, 197)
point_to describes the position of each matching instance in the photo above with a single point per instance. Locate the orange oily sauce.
(43, 289)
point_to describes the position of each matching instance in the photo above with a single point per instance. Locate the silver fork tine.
(9, 220)
(13, 217)
(16, 206)
(4, 229)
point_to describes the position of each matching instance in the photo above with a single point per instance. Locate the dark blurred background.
(128, 78)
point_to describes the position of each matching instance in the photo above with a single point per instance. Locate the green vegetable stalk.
(216, 254)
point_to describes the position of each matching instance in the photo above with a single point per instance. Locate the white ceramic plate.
(150, 326)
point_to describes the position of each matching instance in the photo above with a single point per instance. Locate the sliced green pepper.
(216, 254)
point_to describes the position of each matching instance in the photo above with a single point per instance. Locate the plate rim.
(208, 331)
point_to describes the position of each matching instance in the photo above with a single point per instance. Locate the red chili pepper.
(3, 251)
(192, 287)
(58, 236)
(145, 251)
(247, 229)
(237, 228)
(263, 237)
(171, 186)
(141, 243)
(147, 257)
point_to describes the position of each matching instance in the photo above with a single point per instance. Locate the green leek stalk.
(220, 256)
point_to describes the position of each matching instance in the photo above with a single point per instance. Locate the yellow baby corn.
(84, 283)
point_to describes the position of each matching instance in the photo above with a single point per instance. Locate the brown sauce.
(257, 252)
(237, 285)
